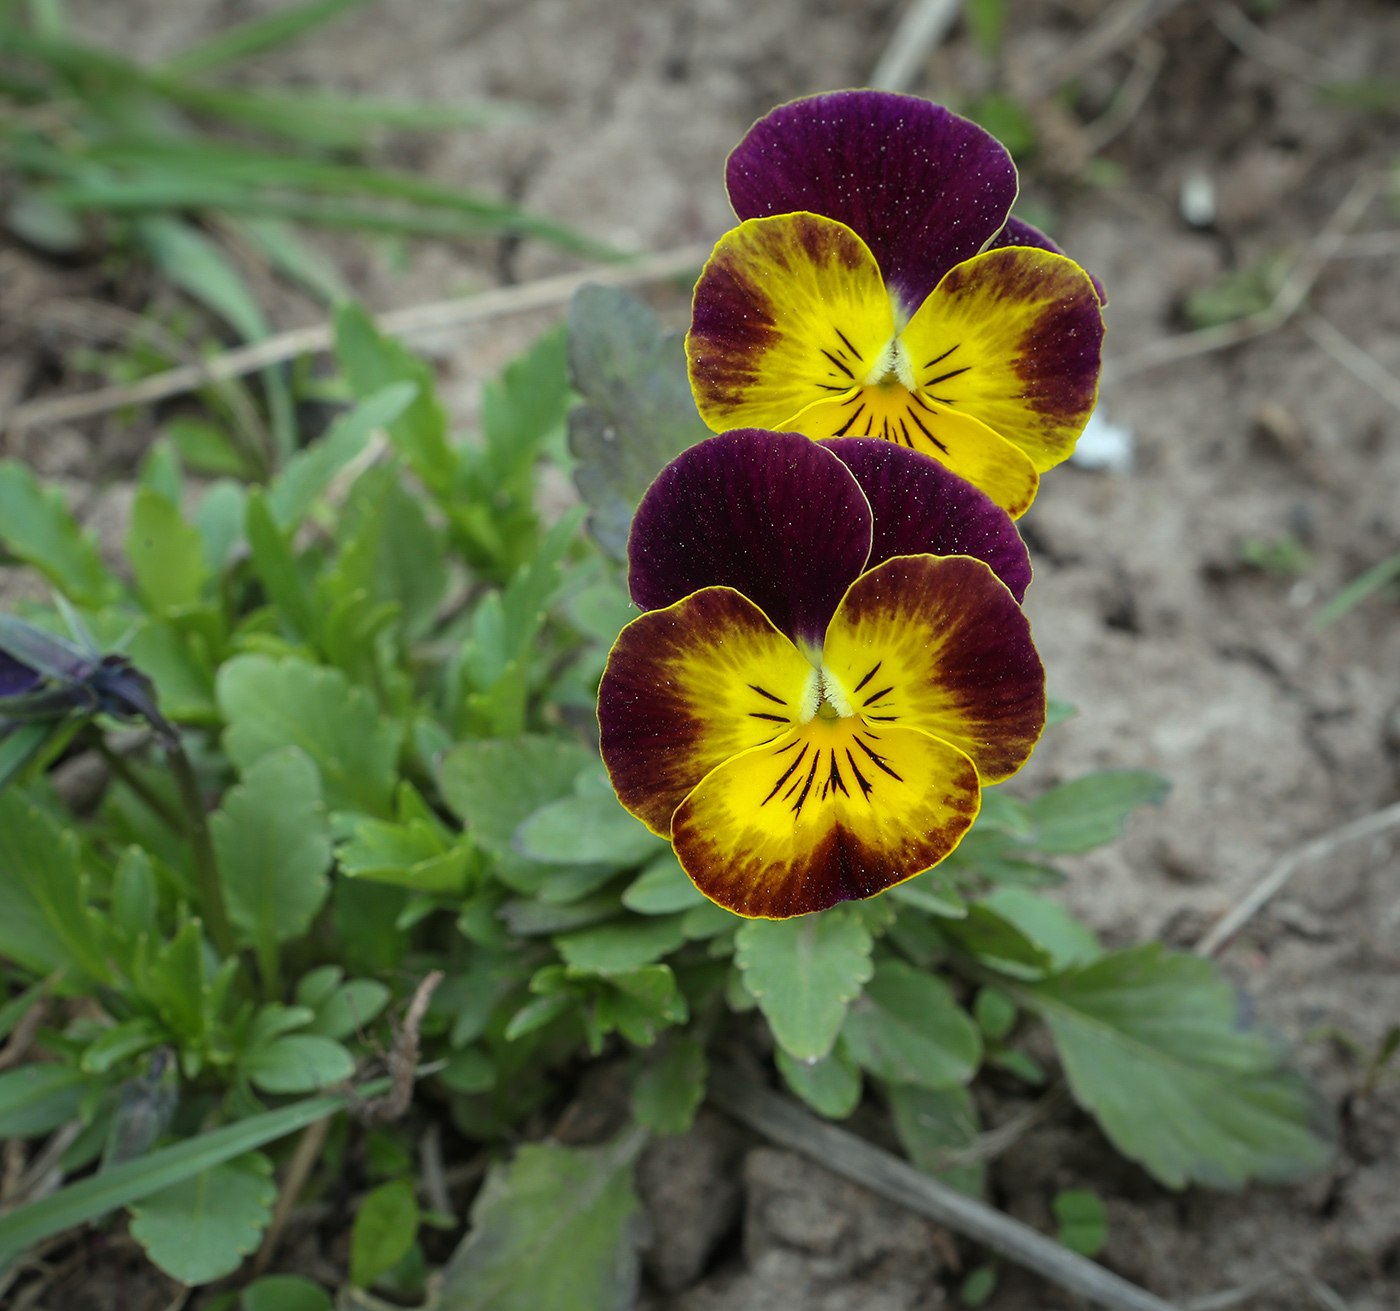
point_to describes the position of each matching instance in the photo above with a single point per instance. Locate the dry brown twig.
(432, 317)
(403, 1058)
(304, 1158)
(21, 1036)
(1359, 363)
(1232, 922)
(782, 1121)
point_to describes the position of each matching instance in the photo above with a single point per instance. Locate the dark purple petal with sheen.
(922, 508)
(1018, 232)
(770, 514)
(16, 678)
(924, 188)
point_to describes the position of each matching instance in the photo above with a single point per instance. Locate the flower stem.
(206, 865)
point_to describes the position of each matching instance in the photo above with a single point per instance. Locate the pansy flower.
(877, 288)
(832, 662)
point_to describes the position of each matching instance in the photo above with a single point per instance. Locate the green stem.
(206, 865)
(122, 770)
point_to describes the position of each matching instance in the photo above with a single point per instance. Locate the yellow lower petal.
(1012, 337)
(789, 309)
(689, 686)
(834, 810)
(940, 645)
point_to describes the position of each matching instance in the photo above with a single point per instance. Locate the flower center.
(823, 698)
(892, 367)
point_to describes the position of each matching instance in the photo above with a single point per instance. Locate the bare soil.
(1181, 656)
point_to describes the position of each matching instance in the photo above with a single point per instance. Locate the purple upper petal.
(922, 508)
(924, 188)
(770, 514)
(16, 678)
(1018, 232)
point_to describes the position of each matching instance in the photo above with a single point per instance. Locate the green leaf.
(987, 21)
(298, 1062)
(47, 922)
(979, 1285)
(273, 848)
(995, 1012)
(197, 265)
(931, 1122)
(132, 1180)
(275, 563)
(1092, 810)
(638, 414)
(37, 527)
(308, 473)
(670, 1088)
(620, 947)
(37, 1098)
(270, 704)
(906, 1028)
(385, 1226)
(587, 831)
(219, 522)
(1151, 1044)
(166, 554)
(553, 1229)
(1047, 924)
(353, 1006)
(662, 888)
(1082, 1221)
(308, 268)
(805, 972)
(412, 855)
(525, 405)
(998, 942)
(250, 37)
(285, 1293)
(371, 362)
(932, 892)
(831, 1086)
(201, 1228)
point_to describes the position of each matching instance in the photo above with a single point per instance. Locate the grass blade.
(1356, 591)
(258, 34)
(95, 1196)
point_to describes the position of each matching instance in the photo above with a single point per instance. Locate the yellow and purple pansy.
(833, 662)
(877, 288)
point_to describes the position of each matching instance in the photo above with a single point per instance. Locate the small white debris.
(1197, 199)
(1105, 446)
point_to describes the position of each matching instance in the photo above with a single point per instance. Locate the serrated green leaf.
(587, 831)
(553, 1229)
(524, 405)
(831, 1086)
(274, 852)
(277, 568)
(931, 1122)
(669, 1088)
(907, 1028)
(120, 1042)
(166, 554)
(37, 527)
(297, 1063)
(663, 888)
(412, 855)
(1082, 1221)
(47, 923)
(621, 946)
(639, 411)
(1092, 810)
(270, 704)
(805, 972)
(285, 1293)
(308, 473)
(384, 1229)
(201, 1228)
(1151, 1044)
